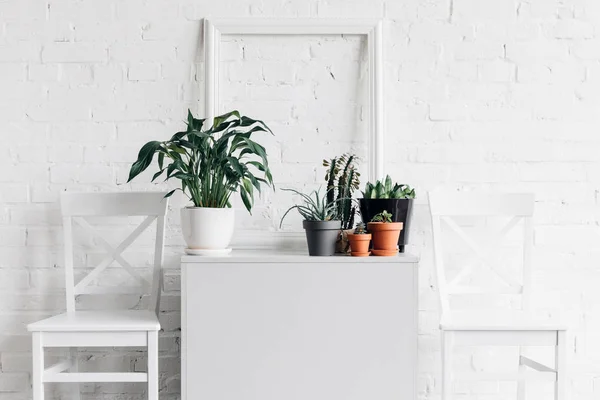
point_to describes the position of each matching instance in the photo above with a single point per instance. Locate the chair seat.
(98, 321)
(495, 320)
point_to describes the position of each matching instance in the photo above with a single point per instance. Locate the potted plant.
(321, 222)
(397, 199)
(385, 234)
(342, 180)
(211, 161)
(359, 241)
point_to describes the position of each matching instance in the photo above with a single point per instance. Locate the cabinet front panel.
(300, 331)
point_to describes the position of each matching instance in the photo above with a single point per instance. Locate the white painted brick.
(66, 153)
(13, 72)
(473, 10)
(142, 52)
(143, 72)
(70, 173)
(472, 51)
(497, 71)
(74, 52)
(76, 74)
(13, 382)
(572, 29)
(536, 51)
(14, 193)
(14, 279)
(43, 72)
(479, 94)
(21, 52)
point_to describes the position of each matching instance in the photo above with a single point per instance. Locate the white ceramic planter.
(207, 228)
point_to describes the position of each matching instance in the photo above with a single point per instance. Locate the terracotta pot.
(401, 210)
(385, 237)
(359, 244)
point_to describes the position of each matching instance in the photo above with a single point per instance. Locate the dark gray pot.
(321, 236)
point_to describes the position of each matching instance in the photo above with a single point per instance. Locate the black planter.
(401, 210)
(321, 236)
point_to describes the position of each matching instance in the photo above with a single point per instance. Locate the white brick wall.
(495, 94)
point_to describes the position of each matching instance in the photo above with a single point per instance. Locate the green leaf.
(222, 118)
(144, 159)
(156, 175)
(237, 167)
(246, 200)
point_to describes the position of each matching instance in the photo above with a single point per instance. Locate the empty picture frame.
(372, 28)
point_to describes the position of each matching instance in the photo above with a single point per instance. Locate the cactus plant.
(342, 180)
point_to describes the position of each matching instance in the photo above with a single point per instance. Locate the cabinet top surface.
(273, 256)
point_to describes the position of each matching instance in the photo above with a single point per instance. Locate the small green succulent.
(360, 229)
(383, 216)
(385, 190)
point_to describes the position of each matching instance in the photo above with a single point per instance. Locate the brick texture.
(480, 94)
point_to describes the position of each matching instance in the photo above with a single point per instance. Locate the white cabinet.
(270, 326)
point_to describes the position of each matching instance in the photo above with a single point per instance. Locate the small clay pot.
(359, 244)
(385, 237)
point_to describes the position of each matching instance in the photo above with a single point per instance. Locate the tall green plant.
(342, 180)
(211, 161)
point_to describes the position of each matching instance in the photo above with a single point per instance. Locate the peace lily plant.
(211, 161)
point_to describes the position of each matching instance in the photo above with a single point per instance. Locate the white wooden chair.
(492, 327)
(99, 328)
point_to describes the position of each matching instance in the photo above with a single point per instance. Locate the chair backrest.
(76, 207)
(447, 207)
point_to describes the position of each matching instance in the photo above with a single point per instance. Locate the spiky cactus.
(360, 229)
(342, 180)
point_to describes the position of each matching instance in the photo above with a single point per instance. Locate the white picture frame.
(214, 28)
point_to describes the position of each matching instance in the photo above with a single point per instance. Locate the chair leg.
(75, 368)
(153, 365)
(521, 383)
(561, 366)
(447, 342)
(38, 366)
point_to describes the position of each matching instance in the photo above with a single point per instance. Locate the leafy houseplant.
(212, 161)
(385, 234)
(359, 241)
(385, 195)
(321, 222)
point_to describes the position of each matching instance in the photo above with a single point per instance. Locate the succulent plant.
(360, 229)
(385, 190)
(342, 180)
(314, 208)
(383, 216)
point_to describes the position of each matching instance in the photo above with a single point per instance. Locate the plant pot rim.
(322, 225)
(208, 208)
(364, 198)
(385, 226)
(359, 236)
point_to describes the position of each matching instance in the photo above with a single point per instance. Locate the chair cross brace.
(114, 254)
(481, 254)
(534, 365)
